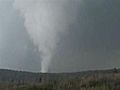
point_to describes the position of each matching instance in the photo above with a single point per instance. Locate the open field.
(89, 80)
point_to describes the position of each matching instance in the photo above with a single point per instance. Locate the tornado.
(45, 21)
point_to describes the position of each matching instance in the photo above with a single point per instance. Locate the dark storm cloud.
(101, 26)
(93, 41)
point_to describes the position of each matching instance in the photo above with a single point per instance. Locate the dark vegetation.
(90, 80)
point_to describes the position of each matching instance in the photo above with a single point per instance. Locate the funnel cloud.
(44, 20)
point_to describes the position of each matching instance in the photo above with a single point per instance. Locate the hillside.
(88, 80)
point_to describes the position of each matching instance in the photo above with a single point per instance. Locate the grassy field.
(109, 80)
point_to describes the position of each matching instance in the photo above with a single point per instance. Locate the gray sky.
(91, 42)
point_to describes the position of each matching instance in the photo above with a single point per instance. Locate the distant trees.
(115, 70)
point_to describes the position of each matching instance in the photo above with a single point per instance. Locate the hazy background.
(91, 42)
